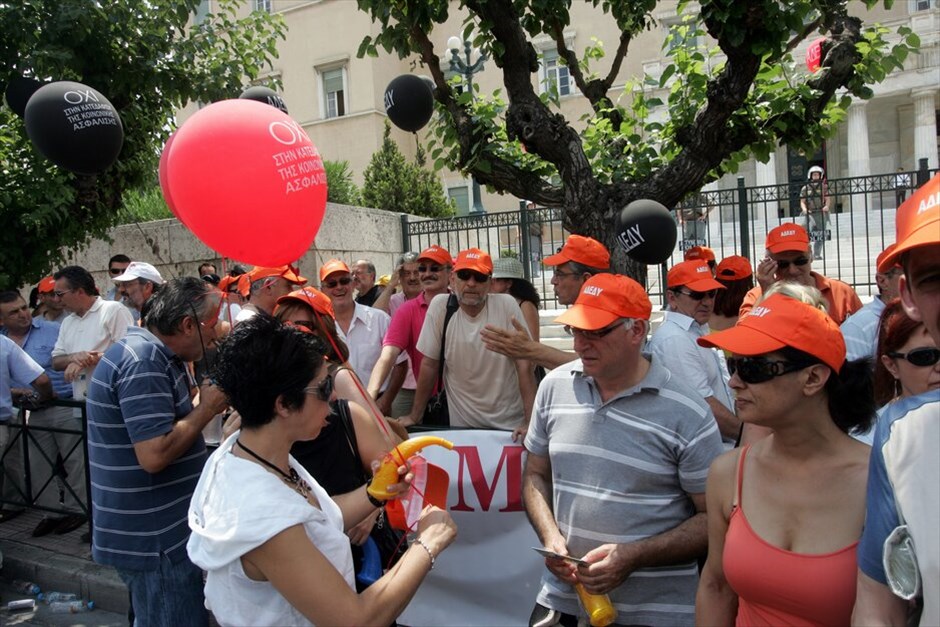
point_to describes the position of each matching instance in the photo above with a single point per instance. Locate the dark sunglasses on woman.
(920, 357)
(761, 369)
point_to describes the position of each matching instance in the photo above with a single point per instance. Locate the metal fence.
(733, 222)
(16, 466)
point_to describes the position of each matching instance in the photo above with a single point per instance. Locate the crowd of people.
(722, 468)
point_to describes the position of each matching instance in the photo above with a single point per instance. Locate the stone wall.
(349, 233)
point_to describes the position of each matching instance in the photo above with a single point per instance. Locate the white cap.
(140, 270)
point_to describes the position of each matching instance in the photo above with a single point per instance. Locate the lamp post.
(466, 68)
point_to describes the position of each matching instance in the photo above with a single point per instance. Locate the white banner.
(490, 574)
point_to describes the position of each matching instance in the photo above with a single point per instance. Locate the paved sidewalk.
(60, 563)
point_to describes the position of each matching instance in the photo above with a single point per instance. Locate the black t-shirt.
(368, 299)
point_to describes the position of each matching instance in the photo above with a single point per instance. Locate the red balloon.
(164, 185)
(247, 181)
(814, 54)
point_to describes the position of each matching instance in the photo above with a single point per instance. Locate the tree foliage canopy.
(738, 95)
(393, 184)
(149, 58)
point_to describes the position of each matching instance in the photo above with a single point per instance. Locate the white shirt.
(860, 330)
(702, 369)
(104, 323)
(364, 340)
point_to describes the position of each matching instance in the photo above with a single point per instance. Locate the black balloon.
(265, 95)
(409, 102)
(18, 92)
(646, 231)
(74, 126)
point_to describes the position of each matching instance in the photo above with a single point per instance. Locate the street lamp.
(466, 68)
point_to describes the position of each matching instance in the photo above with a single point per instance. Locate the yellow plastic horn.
(387, 474)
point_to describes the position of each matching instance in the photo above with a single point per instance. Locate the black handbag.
(436, 413)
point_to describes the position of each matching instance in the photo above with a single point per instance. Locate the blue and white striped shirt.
(138, 391)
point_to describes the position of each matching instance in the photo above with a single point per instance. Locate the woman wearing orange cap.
(785, 513)
(735, 274)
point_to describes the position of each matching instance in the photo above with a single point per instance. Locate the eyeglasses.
(116, 271)
(698, 295)
(322, 390)
(434, 268)
(920, 357)
(799, 261)
(561, 274)
(61, 293)
(331, 283)
(591, 335)
(761, 370)
(479, 277)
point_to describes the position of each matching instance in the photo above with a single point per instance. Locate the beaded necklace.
(292, 479)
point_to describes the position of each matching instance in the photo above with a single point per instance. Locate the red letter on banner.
(470, 461)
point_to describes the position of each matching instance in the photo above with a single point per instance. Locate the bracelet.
(421, 543)
(375, 502)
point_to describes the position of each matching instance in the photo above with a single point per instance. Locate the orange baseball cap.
(46, 285)
(437, 254)
(694, 274)
(734, 267)
(787, 237)
(880, 261)
(286, 272)
(699, 252)
(579, 249)
(310, 296)
(227, 281)
(782, 321)
(605, 298)
(918, 222)
(244, 284)
(331, 266)
(474, 259)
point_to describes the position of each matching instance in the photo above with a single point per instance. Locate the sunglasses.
(115, 271)
(434, 268)
(331, 283)
(698, 295)
(591, 335)
(60, 293)
(799, 261)
(323, 390)
(760, 369)
(479, 277)
(920, 357)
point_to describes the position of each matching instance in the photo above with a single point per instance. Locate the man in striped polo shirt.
(146, 452)
(619, 450)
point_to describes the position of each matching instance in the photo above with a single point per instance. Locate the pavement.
(61, 563)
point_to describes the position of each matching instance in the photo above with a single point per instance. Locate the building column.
(859, 163)
(925, 126)
(766, 173)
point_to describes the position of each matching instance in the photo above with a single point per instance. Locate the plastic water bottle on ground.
(21, 604)
(25, 587)
(71, 607)
(52, 597)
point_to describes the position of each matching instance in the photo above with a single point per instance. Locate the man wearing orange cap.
(789, 259)
(903, 502)
(860, 330)
(360, 327)
(701, 253)
(484, 389)
(434, 272)
(265, 286)
(690, 298)
(578, 260)
(55, 308)
(619, 450)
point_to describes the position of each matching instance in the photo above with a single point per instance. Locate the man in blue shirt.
(15, 365)
(146, 452)
(37, 337)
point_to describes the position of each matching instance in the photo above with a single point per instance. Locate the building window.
(264, 5)
(555, 76)
(333, 82)
(922, 5)
(461, 197)
(202, 11)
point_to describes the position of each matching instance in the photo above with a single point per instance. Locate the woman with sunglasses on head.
(785, 513)
(268, 534)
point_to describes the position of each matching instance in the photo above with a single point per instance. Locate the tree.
(149, 57)
(739, 95)
(393, 184)
(340, 187)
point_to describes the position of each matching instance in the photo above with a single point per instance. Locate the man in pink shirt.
(434, 266)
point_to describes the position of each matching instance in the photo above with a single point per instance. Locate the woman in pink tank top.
(785, 514)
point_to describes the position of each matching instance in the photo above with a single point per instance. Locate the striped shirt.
(137, 392)
(860, 330)
(621, 472)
